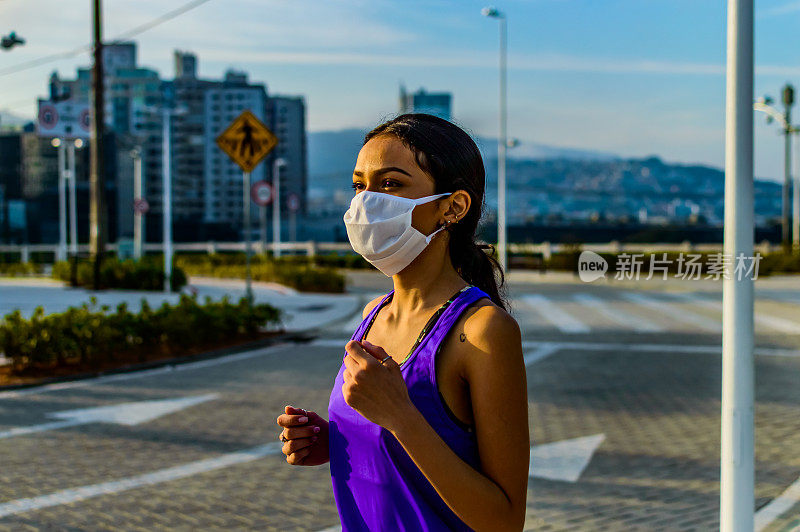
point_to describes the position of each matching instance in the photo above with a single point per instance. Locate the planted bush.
(296, 271)
(144, 274)
(92, 336)
(20, 269)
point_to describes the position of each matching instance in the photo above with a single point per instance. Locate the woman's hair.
(449, 155)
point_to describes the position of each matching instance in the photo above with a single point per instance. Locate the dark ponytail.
(449, 155)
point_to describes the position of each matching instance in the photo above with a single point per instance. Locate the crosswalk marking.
(565, 321)
(674, 312)
(619, 316)
(773, 322)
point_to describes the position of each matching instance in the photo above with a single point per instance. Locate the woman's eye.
(390, 183)
(355, 186)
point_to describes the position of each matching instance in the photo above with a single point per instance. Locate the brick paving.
(657, 468)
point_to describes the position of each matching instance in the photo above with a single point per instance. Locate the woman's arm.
(495, 498)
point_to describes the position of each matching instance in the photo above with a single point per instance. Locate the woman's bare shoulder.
(368, 308)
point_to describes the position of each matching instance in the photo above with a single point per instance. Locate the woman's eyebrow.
(381, 171)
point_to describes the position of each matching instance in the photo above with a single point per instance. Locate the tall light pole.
(276, 205)
(73, 210)
(502, 143)
(138, 196)
(784, 120)
(60, 144)
(737, 471)
(73, 206)
(166, 195)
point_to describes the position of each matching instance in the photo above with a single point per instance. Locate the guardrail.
(312, 247)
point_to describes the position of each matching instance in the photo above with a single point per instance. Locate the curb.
(300, 337)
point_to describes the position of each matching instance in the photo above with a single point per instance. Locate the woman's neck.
(426, 282)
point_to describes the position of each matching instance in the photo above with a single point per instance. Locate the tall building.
(289, 125)
(206, 186)
(223, 178)
(434, 103)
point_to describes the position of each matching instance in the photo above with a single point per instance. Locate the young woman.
(428, 424)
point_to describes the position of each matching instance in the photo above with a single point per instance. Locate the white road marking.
(565, 321)
(620, 316)
(779, 505)
(773, 322)
(659, 348)
(81, 493)
(122, 414)
(535, 355)
(674, 312)
(224, 359)
(563, 460)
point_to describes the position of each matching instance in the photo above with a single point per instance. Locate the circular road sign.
(261, 193)
(48, 116)
(140, 206)
(293, 202)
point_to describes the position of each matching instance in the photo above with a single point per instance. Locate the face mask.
(379, 229)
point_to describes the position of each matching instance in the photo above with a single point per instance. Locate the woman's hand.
(305, 436)
(376, 391)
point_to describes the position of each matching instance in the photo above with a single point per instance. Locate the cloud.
(790, 7)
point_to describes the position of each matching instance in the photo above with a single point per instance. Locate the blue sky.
(632, 77)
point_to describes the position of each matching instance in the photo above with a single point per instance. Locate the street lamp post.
(736, 413)
(502, 143)
(60, 144)
(166, 196)
(138, 195)
(73, 209)
(276, 205)
(787, 205)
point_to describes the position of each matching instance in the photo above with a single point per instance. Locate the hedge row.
(144, 274)
(771, 263)
(94, 336)
(292, 272)
(20, 269)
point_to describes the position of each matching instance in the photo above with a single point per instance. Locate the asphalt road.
(624, 388)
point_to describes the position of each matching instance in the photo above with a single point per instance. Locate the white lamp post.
(502, 143)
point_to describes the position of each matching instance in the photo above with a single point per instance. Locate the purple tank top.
(376, 484)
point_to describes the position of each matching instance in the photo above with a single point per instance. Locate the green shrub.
(20, 269)
(87, 335)
(294, 271)
(144, 274)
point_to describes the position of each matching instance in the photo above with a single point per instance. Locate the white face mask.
(379, 229)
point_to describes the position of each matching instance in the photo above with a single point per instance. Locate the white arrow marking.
(81, 493)
(121, 414)
(563, 460)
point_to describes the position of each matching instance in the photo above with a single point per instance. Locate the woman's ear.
(458, 206)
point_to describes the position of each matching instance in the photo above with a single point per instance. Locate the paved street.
(624, 389)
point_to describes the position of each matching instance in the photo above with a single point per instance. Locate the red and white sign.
(261, 193)
(293, 202)
(140, 206)
(66, 119)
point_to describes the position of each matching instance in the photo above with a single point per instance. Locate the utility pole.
(97, 213)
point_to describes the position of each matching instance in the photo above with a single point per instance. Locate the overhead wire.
(33, 63)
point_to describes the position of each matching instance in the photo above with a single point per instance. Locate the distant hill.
(333, 153)
(10, 119)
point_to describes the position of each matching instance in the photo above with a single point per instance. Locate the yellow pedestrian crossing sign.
(247, 141)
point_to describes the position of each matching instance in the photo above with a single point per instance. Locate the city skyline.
(656, 88)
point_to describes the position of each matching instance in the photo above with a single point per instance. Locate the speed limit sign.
(140, 206)
(261, 193)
